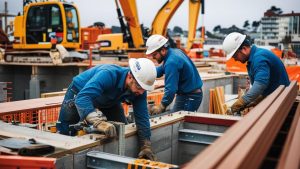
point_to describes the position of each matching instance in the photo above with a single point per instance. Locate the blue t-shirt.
(181, 75)
(103, 87)
(265, 67)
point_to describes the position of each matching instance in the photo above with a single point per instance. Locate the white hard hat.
(232, 42)
(144, 72)
(155, 42)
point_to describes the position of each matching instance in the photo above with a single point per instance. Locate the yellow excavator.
(132, 37)
(47, 32)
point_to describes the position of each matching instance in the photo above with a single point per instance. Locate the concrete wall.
(165, 145)
(50, 78)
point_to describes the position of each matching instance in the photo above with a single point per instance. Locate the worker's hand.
(157, 109)
(238, 105)
(256, 101)
(92, 117)
(101, 125)
(106, 127)
(146, 152)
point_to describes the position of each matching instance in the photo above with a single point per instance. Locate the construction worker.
(104, 87)
(265, 69)
(181, 76)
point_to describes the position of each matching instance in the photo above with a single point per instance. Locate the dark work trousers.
(187, 102)
(69, 115)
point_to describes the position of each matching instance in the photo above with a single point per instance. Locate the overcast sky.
(217, 12)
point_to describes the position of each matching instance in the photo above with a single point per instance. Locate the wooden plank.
(32, 104)
(290, 156)
(251, 150)
(211, 101)
(215, 153)
(54, 139)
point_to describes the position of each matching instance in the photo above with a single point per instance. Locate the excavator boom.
(194, 8)
(131, 16)
(162, 18)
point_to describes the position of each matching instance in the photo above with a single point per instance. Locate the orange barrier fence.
(21, 162)
(44, 117)
(234, 66)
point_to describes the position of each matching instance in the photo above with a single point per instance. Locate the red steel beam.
(215, 153)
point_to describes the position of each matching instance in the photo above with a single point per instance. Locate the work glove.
(157, 109)
(145, 150)
(238, 105)
(256, 101)
(107, 128)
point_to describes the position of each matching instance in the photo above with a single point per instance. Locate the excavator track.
(36, 56)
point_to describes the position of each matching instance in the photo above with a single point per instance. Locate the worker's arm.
(143, 127)
(142, 116)
(94, 88)
(171, 83)
(261, 76)
(160, 71)
(255, 91)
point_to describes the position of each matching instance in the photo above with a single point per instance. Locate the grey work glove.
(239, 105)
(107, 128)
(256, 101)
(157, 109)
(145, 151)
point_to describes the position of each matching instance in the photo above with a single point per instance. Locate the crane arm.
(163, 17)
(130, 12)
(194, 8)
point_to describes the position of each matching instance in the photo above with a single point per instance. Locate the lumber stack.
(217, 101)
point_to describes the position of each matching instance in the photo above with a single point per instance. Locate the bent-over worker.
(266, 71)
(105, 87)
(181, 76)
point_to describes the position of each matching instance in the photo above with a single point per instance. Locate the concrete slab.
(174, 151)
(165, 156)
(80, 157)
(187, 151)
(111, 147)
(65, 162)
(131, 146)
(161, 138)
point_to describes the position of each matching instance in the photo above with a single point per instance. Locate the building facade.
(280, 30)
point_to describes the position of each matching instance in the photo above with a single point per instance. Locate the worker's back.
(261, 59)
(189, 78)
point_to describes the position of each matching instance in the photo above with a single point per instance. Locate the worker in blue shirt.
(105, 87)
(266, 71)
(181, 76)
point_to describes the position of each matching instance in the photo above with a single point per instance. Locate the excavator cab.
(44, 21)
(45, 26)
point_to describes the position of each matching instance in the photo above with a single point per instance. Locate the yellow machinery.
(42, 23)
(131, 37)
(162, 18)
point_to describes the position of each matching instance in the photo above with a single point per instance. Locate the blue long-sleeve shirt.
(266, 68)
(181, 75)
(102, 87)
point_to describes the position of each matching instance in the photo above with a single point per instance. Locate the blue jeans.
(187, 102)
(68, 113)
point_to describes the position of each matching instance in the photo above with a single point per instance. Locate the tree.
(276, 10)
(217, 28)
(255, 25)
(246, 24)
(177, 29)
